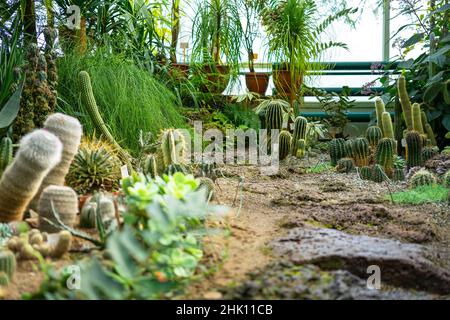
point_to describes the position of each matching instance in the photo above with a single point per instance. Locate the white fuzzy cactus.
(39, 152)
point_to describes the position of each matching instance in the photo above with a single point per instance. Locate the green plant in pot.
(294, 33)
(255, 81)
(217, 34)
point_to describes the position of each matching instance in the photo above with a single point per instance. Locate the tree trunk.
(82, 38)
(175, 30)
(30, 23)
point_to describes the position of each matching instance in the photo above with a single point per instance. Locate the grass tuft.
(421, 194)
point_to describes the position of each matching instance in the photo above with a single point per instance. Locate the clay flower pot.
(257, 82)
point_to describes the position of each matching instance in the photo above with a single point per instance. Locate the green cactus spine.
(336, 150)
(388, 129)
(39, 152)
(361, 147)
(365, 173)
(300, 125)
(405, 102)
(149, 167)
(7, 263)
(417, 119)
(87, 96)
(6, 154)
(429, 152)
(64, 200)
(379, 109)
(422, 178)
(284, 144)
(398, 175)
(414, 149)
(378, 174)
(345, 165)
(384, 155)
(373, 135)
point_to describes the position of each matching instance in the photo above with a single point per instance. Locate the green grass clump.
(421, 194)
(129, 98)
(320, 168)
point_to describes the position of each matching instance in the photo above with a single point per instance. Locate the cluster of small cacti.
(7, 266)
(39, 152)
(298, 144)
(284, 144)
(27, 246)
(95, 167)
(209, 170)
(6, 153)
(57, 199)
(345, 165)
(378, 174)
(337, 150)
(422, 178)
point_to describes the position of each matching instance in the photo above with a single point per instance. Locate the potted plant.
(294, 41)
(216, 34)
(255, 81)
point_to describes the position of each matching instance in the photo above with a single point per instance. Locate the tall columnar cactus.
(284, 144)
(87, 96)
(365, 173)
(300, 125)
(337, 150)
(69, 132)
(417, 119)
(379, 109)
(373, 135)
(378, 174)
(345, 165)
(405, 102)
(149, 166)
(39, 152)
(385, 155)
(65, 203)
(361, 147)
(172, 148)
(414, 147)
(422, 178)
(6, 154)
(388, 129)
(350, 148)
(429, 152)
(7, 262)
(274, 117)
(430, 134)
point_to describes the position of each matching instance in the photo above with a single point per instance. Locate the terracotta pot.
(217, 78)
(82, 200)
(180, 71)
(283, 84)
(257, 82)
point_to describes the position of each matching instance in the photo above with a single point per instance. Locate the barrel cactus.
(301, 148)
(350, 148)
(361, 147)
(7, 263)
(422, 178)
(373, 135)
(6, 153)
(378, 174)
(414, 149)
(405, 102)
(39, 152)
(336, 150)
(385, 155)
(300, 126)
(284, 144)
(398, 175)
(88, 215)
(365, 173)
(429, 152)
(345, 165)
(274, 117)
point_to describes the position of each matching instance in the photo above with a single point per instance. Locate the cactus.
(414, 148)
(446, 179)
(336, 150)
(69, 131)
(301, 148)
(378, 174)
(398, 175)
(284, 142)
(365, 173)
(300, 125)
(39, 152)
(379, 109)
(405, 102)
(430, 134)
(209, 170)
(208, 185)
(106, 209)
(361, 147)
(422, 178)
(7, 263)
(274, 117)
(87, 96)
(4, 280)
(417, 118)
(65, 203)
(388, 129)
(350, 148)
(345, 165)
(62, 246)
(88, 215)
(384, 155)
(174, 168)
(172, 148)
(429, 152)
(6, 154)
(373, 135)
(149, 167)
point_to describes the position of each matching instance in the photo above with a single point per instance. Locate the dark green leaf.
(413, 40)
(9, 112)
(432, 91)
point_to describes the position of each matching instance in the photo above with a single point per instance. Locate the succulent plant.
(385, 155)
(208, 185)
(399, 162)
(5, 233)
(284, 144)
(379, 109)
(373, 135)
(422, 178)
(300, 125)
(7, 263)
(417, 118)
(301, 148)
(350, 148)
(405, 102)
(6, 154)
(414, 149)
(378, 174)
(398, 175)
(149, 166)
(172, 148)
(337, 150)
(95, 167)
(61, 199)
(361, 147)
(365, 173)
(88, 215)
(4, 280)
(388, 129)
(274, 117)
(345, 165)
(446, 179)
(429, 152)
(39, 152)
(174, 168)
(430, 134)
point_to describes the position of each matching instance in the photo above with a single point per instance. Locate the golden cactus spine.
(388, 129)
(417, 118)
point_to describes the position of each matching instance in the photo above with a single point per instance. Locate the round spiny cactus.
(385, 155)
(301, 144)
(361, 147)
(373, 135)
(422, 178)
(300, 126)
(414, 149)
(365, 173)
(337, 150)
(284, 144)
(398, 175)
(88, 215)
(274, 116)
(378, 174)
(345, 165)
(350, 148)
